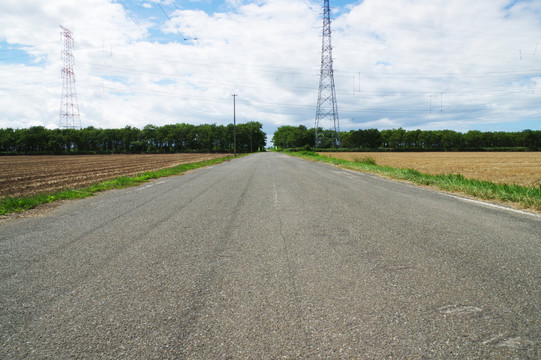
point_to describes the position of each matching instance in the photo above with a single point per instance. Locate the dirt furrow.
(28, 175)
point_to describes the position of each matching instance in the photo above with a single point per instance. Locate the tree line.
(130, 140)
(291, 137)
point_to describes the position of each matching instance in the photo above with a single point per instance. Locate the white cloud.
(384, 123)
(458, 64)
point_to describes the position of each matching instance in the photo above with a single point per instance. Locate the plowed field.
(28, 175)
(521, 168)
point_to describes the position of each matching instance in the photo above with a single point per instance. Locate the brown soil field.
(521, 168)
(29, 175)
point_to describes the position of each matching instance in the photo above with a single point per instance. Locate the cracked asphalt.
(266, 257)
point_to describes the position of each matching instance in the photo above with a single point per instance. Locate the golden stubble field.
(521, 168)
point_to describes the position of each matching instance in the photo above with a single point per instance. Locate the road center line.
(275, 194)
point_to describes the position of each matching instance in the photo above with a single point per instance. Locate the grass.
(365, 160)
(528, 197)
(19, 204)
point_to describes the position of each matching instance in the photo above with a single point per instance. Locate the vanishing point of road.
(267, 257)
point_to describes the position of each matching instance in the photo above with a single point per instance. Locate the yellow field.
(522, 168)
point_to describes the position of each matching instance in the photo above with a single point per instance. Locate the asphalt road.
(269, 257)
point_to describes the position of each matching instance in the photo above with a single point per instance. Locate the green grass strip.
(19, 204)
(526, 197)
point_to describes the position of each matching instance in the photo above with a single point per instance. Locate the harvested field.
(521, 168)
(29, 175)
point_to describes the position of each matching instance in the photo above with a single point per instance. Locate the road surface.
(268, 257)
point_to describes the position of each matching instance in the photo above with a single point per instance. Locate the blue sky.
(435, 64)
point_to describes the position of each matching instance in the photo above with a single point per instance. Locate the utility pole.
(234, 126)
(69, 106)
(327, 110)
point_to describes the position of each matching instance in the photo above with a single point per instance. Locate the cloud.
(459, 64)
(414, 52)
(384, 123)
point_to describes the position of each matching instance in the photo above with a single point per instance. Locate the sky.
(417, 64)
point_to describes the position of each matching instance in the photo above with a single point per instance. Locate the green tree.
(450, 140)
(7, 141)
(473, 140)
(410, 139)
(531, 139)
(372, 139)
(352, 139)
(32, 140)
(204, 137)
(148, 136)
(292, 137)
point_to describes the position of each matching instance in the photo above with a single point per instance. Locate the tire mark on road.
(291, 266)
(65, 246)
(211, 281)
(39, 290)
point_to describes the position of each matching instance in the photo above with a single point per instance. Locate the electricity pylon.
(327, 111)
(69, 105)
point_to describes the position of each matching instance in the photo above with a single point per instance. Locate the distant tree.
(410, 139)
(89, 140)
(352, 139)
(505, 139)
(149, 138)
(450, 140)
(293, 137)
(204, 137)
(7, 141)
(129, 136)
(398, 138)
(54, 141)
(32, 140)
(372, 139)
(473, 140)
(531, 139)
(250, 137)
(222, 141)
(394, 138)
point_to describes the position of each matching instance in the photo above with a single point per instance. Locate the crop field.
(521, 168)
(30, 175)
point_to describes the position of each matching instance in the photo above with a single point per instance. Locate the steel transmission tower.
(327, 111)
(69, 106)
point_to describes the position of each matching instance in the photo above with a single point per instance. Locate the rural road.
(268, 257)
